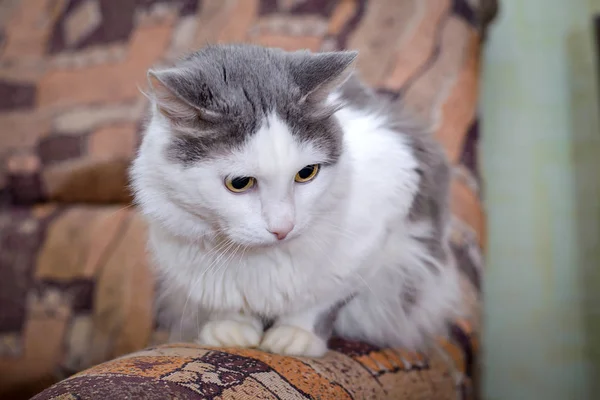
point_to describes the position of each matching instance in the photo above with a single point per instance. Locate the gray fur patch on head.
(218, 97)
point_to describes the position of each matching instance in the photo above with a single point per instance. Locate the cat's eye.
(240, 184)
(307, 173)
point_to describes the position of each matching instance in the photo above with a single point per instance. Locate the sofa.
(78, 318)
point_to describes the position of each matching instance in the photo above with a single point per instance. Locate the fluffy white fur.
(350, 235)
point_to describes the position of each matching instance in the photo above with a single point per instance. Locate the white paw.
(293, 341)
(229, 333)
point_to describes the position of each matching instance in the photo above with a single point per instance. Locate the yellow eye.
(307, 173)
(241, 184)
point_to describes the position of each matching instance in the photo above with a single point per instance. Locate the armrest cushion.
(350, 371)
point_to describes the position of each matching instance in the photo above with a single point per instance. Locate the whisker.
(224, 252)
(365, 282)
(244, 248)
(227, 261)
(196, 281)
(115, 212)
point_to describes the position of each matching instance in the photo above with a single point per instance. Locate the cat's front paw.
(293, 341)
(230, 333)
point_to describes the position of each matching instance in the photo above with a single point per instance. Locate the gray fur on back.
(432, 199)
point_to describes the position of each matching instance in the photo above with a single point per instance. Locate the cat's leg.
(302, 334)
(231, 330)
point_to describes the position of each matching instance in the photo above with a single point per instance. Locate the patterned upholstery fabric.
(76, 289)
(351, 371)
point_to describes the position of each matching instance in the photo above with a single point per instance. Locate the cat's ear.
(167, 92)
(318, 74)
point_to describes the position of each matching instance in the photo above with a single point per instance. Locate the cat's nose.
(282, 231)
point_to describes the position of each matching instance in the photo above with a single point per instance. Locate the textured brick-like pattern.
(75, 286)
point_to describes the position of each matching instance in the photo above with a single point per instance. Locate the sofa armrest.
(350, 370)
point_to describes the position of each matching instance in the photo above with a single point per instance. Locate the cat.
(290, 202)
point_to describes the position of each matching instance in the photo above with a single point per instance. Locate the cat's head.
(242, 141)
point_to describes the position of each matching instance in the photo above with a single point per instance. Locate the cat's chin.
(270, 245)
(267, 244)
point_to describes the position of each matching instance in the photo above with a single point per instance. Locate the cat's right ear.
(169, 101)
(318, 74)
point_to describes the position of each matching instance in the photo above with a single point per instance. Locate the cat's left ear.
(168, 92)
(318, 74)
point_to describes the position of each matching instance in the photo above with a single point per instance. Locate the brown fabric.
(75, 290)
(75, 285)
(349, 371)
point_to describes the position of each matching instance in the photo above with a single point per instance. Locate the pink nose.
(281, 232)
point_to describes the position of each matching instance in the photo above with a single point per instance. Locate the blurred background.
(509, 87)
(541, 166)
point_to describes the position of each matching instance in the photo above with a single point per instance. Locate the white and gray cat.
(289, 203)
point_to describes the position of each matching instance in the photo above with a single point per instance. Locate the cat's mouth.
(275, 243)
(278, 243)
(250, 241)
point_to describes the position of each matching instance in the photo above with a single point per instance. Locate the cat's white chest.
(269, 282)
